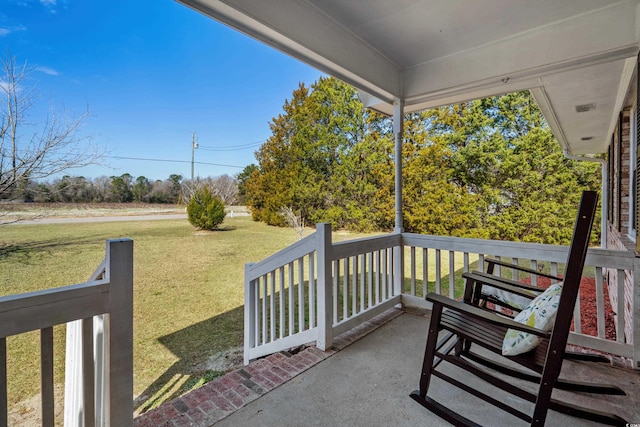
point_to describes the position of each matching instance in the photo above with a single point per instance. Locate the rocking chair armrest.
(501, 283)
(480, 314)
(494, 261)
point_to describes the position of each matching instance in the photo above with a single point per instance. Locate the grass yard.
(188, 296)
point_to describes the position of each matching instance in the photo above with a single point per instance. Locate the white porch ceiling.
(428, 53)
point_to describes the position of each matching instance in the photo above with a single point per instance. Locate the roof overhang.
(428, 53)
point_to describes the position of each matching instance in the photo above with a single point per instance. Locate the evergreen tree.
(487, 168)
(204, 210)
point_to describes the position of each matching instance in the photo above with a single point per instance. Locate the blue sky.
(152, 72)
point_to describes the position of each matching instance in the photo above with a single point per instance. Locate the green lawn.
(188, 295)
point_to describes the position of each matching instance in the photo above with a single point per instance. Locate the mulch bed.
(588, 307)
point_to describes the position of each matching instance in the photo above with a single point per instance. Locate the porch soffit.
(431, 52)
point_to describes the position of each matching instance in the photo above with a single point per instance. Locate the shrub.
(205, 211)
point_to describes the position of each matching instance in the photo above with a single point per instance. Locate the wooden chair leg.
(430, 350)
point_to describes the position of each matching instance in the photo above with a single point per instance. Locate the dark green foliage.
(242, 178)
(327, 159)
(204, 210)
(121, 188)
(487, 168)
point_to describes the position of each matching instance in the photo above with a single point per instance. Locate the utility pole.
(194, 145)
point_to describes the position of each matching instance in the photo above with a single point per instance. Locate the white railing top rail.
(99, 272)
(283, 257)
(363, 245)
(537, 251)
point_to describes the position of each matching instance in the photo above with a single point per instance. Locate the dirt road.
(110, 218)
(101, 219)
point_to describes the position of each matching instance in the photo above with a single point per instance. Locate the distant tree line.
(124, 188)
(488, 168)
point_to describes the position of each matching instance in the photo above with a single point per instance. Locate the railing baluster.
(465, 262)
(481, 262)
(370, 271)
(452, 274)
(88, 374)
(554, 270)
(46, 379)
(264, 281)
(413, 270)
(292, 307)
(345, 289)
(256, 308)
(283, 308)
(438, 267)
(301, 294)
(4, 413)
(385, 279)
(377, 270)
(425, 271)
(363, 268)
(272, 307)
(577, 322)
(620, 326)
(336, 277)
(312, 291)
(514, 272)
(534, 278)
(354, 287)
(600, 302)
(391, 270)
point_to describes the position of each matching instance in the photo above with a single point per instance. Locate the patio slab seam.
(234, 390)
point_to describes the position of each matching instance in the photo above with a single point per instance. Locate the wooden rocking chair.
(475, 293)
(466, 325)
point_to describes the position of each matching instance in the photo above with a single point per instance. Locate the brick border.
(223, 396)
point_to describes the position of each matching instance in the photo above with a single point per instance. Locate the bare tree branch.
(58, 144)
(293, 220)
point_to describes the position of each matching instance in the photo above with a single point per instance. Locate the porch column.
(398, 130)
(398, 259)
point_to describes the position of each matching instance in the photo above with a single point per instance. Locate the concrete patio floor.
(368, 384)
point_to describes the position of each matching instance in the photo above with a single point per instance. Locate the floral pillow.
(541, 314)
(514, 300)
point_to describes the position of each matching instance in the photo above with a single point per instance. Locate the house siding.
(618, 241)
(618, 226)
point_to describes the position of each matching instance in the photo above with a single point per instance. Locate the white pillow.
(507, 297)
(541, 314)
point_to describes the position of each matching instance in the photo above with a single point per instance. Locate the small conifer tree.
(205, 211)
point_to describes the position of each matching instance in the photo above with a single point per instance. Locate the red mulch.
(588, 307)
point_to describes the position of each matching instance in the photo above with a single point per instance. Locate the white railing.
(452, 256)
(110, 293)
(364, 283)
(276, 313)
(316, 289)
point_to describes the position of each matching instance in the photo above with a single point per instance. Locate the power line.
(171, 161)
(233, 147)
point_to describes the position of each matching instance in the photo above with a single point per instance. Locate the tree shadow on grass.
(227, 228)
(25, 250)
(205, 351)
(202, 232)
